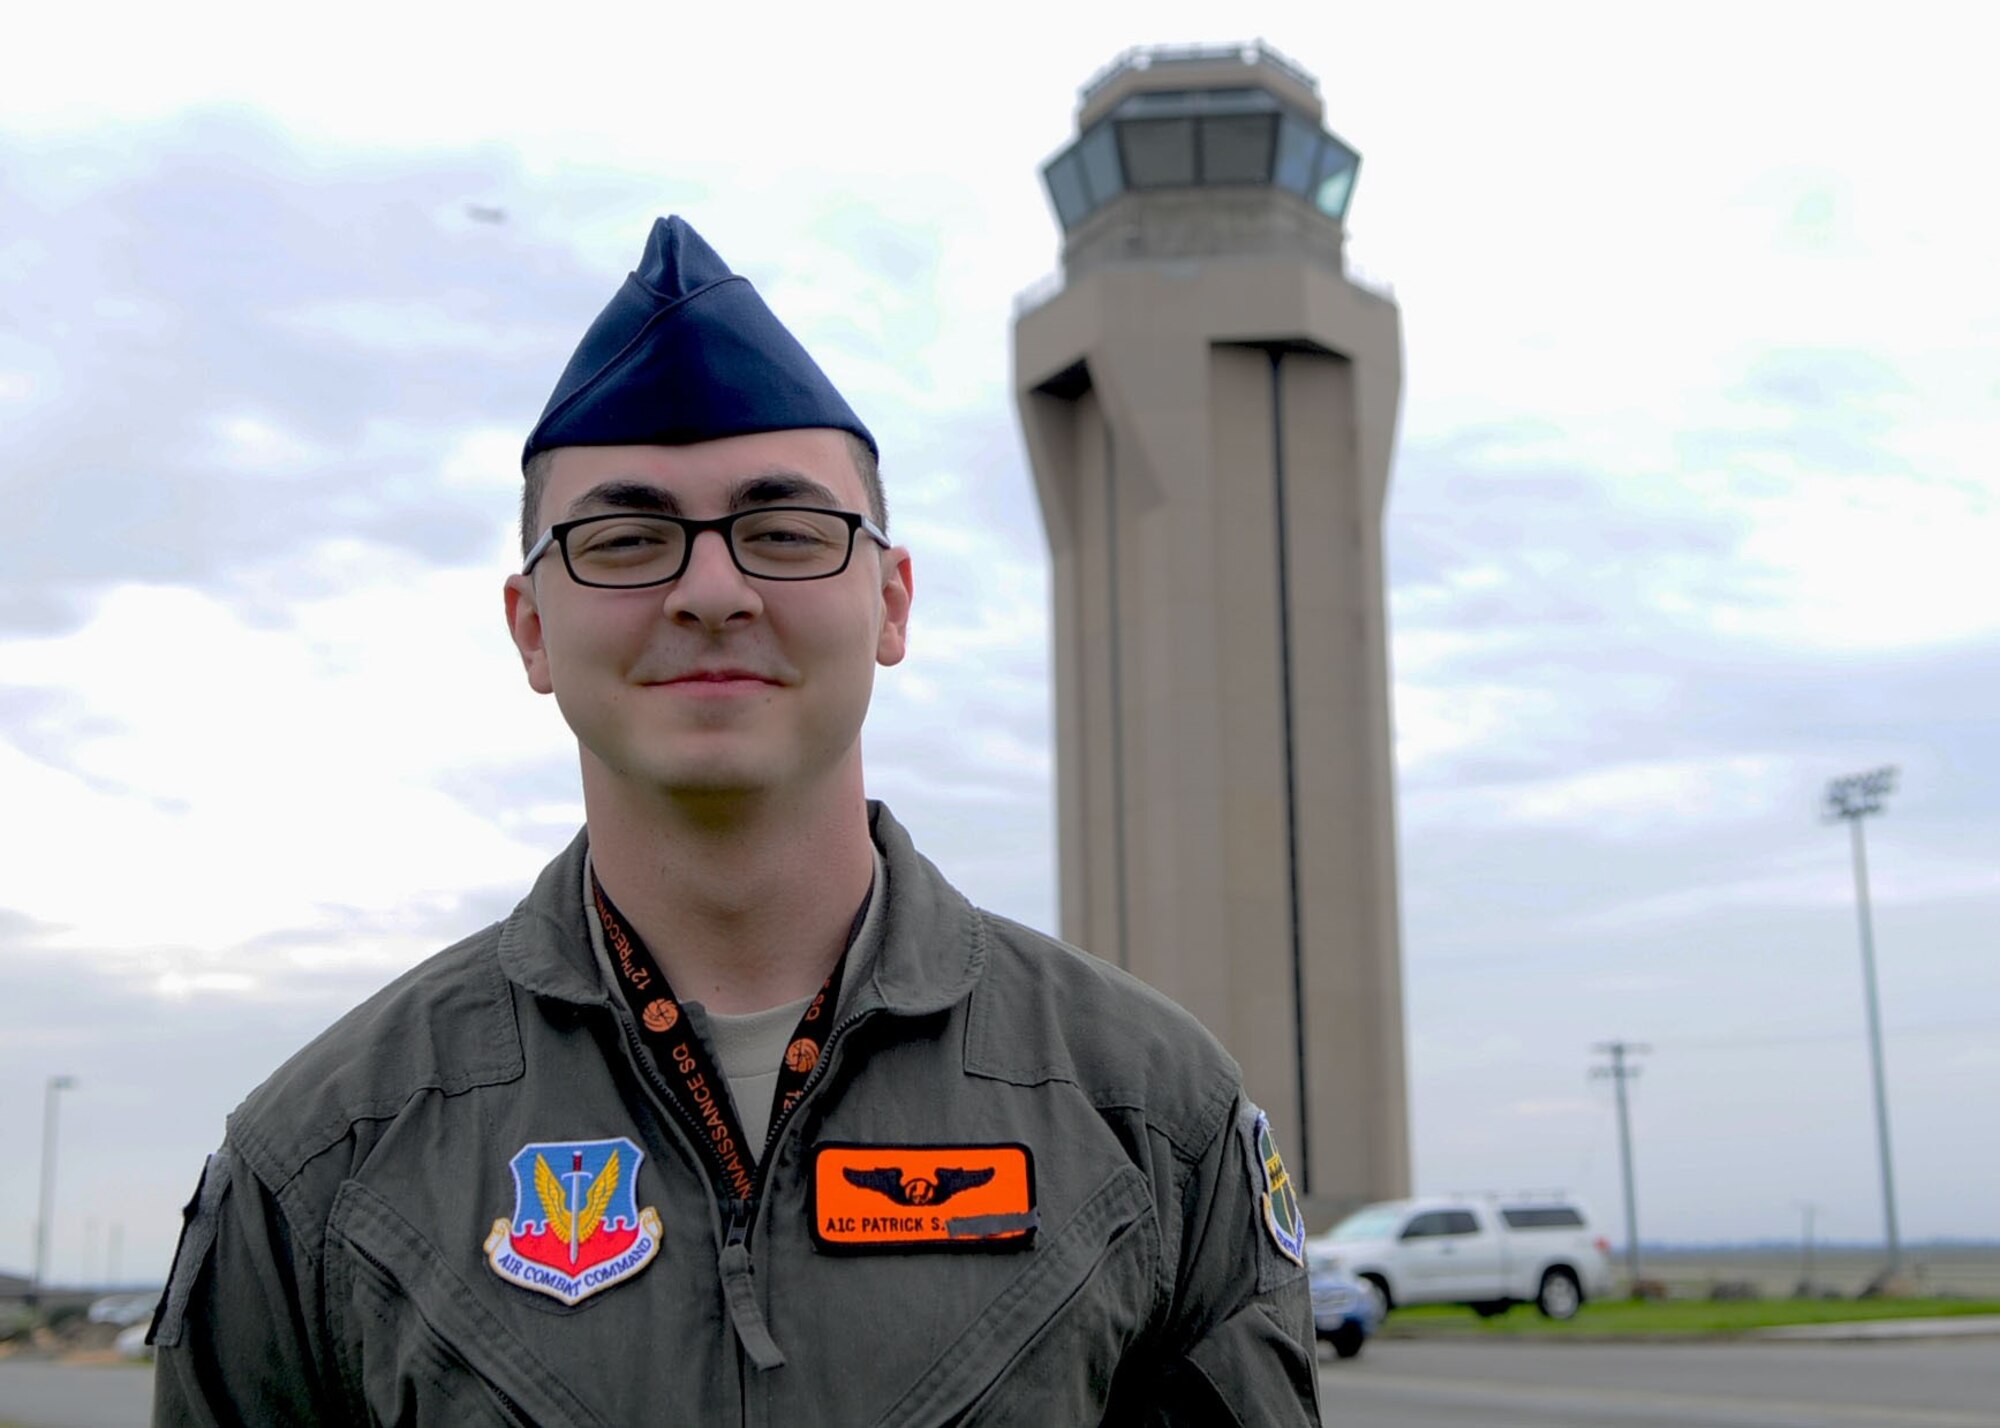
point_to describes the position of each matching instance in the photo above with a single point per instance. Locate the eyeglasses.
(625, 550)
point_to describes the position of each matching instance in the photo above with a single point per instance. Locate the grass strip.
(1670, 1318)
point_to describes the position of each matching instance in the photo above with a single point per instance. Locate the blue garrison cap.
(686, 351)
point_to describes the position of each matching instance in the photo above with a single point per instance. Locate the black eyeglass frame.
(558, 536)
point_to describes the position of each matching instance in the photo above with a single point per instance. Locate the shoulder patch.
(1282, 1215)
(577, 1227)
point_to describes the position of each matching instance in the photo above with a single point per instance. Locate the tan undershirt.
(749, 1049)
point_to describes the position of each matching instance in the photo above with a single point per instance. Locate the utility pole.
(1850, 800)
(56, 1084)
(1806, 1291)
(1620, 1071)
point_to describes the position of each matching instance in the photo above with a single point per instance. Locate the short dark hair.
(535, 477)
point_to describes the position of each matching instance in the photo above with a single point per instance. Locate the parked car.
(1345, 1310)
(131, 1342)
(1488, 1254)
(124, 1309)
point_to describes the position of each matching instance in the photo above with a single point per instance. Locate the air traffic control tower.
(1209, 402)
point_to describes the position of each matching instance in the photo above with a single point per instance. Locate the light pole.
(1852, 799)
(1620, 1072)
(55, 1084)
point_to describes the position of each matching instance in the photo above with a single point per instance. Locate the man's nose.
(712, 592)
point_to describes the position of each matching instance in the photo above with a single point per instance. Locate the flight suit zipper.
(736, 1218)
(739, 1289)
(752, 1331)
(730, 1221)
(736, 1225)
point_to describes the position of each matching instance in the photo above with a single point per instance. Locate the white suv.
(1489, 1254)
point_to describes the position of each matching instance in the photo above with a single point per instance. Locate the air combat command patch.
(577, 1227)
(1282, 1215)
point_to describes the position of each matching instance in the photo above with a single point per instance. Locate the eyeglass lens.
(781, 543)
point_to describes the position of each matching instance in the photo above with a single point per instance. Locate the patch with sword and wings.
(577, 1227)
(901, 1197)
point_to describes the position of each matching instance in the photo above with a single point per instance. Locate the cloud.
(1632, 800)
(200, 738)
(269, 466)
(224, 348)
(18, 930)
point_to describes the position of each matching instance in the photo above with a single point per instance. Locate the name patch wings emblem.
(918, 1189)
(892, 1198)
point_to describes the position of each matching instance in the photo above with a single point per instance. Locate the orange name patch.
(884, 1197)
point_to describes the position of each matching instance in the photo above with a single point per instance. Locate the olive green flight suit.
(332, 1267)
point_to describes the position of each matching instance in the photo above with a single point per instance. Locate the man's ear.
(892, 642)
(524, 623)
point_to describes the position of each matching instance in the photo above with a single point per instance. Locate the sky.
(1694, 509)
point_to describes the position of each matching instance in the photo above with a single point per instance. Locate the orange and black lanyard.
(696, 1090)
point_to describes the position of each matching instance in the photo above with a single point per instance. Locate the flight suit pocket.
(1080, 1298)
(416, 1346)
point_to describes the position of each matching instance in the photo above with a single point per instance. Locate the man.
(744, 1115)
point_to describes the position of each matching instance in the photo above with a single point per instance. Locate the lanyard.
(698, 1091)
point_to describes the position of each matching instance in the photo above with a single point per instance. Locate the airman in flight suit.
(744, 1115)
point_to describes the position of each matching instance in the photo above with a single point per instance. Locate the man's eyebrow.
(780, 485)
(626, 496)
(772, 486)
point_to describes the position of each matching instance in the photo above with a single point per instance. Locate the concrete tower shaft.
(1210, 407)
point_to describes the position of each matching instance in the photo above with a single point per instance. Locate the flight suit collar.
(932, 951)
(933, 945)
(544, 944)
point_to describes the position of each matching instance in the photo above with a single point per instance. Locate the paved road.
(1405, 1384)
(46, 1395)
